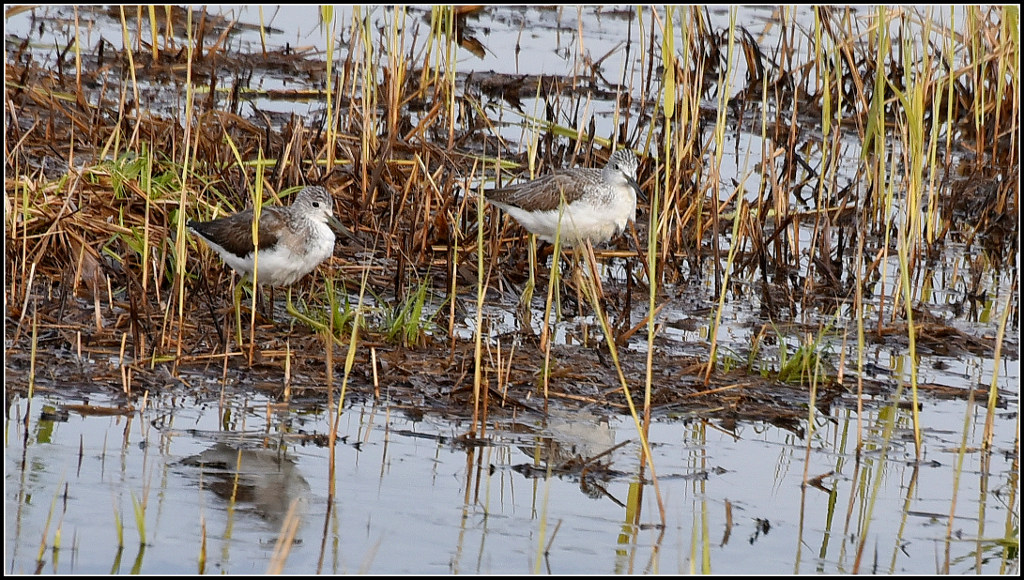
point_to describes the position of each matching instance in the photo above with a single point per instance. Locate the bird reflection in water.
(261, 481)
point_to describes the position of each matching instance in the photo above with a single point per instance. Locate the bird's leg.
(592, 268)
(270, 302)
(578, 282)
(237, 299)
(555, 279)
(585, 279)
(553, 298)
(526, 299)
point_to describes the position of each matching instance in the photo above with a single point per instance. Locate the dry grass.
(100, 175)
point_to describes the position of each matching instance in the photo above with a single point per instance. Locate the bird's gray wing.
(234, 233)
(545, 192)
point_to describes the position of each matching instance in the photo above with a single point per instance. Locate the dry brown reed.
(100, 171)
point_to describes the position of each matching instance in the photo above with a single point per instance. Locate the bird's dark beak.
(339, 228)
(636, 187)
(336, 225)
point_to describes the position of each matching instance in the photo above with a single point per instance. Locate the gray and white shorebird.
(598, 202)
(292, 240)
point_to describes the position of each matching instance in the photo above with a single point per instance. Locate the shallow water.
(410, 497)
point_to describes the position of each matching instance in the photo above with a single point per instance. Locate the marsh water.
(205, 474)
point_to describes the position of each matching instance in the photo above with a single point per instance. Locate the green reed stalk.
(453, 273)
(693, 80)
(950, 84)
(1008, 66)
(668, 52)
(993, 391)
(720, 124)
(350, 359)
(169, 29)
(436, 55)
(888, 196)
(433, 38)
(874, 134)
(397, 67)
(403, 321)
(526, 299)
(824, 73)
(977, 65)
(118, 527)
(554, 284)
(668, 109)
(531, 135)
(704, 532)
(154, 26)
(139, 509)
(741, 211)
(32, 355)
(451, 62)
(591, 285)
(874, 146)
(481, 294)
(933, 87)
(201, 568)
(683, 134)
(913, 100)
(263, 39)
(135, 83)
(146, 184)
(348, 85)
(368, 139)
(813, 355)
(909, 492)
(187, 160)
(958, 469)
(49, 518)
(78, 53)
(327, 17)
(642, 52)
(859, 312)
(542, 523)
(257, 209)
(909, 231)
(889, 415)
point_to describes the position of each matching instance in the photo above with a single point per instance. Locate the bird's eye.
(316, 204)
